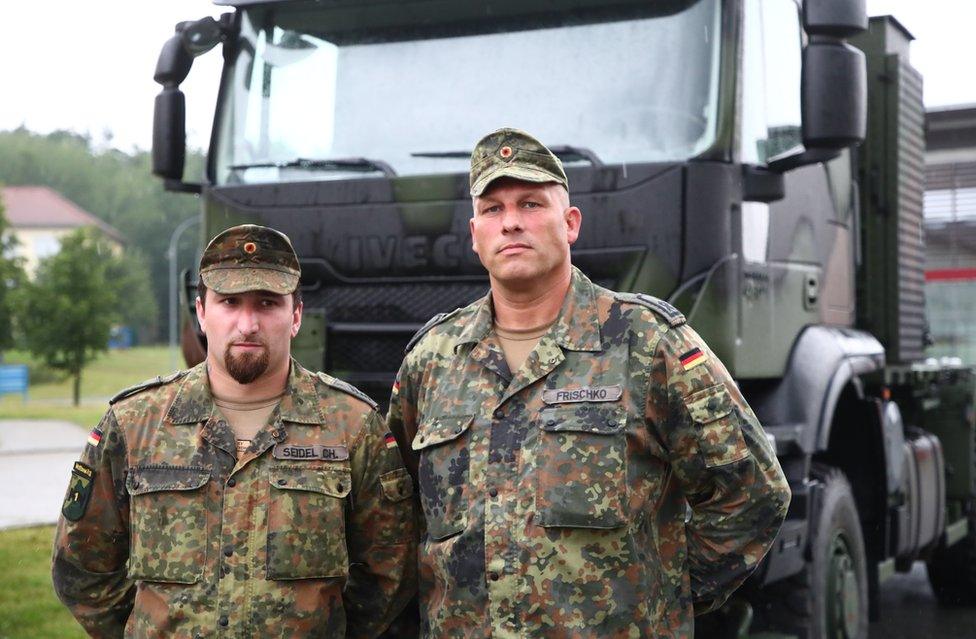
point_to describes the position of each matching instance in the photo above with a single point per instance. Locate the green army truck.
(757, 163)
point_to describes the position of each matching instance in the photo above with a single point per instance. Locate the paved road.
(909, 611)
(35, 462)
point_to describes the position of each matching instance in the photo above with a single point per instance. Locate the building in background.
(950, 230)
(39, 217)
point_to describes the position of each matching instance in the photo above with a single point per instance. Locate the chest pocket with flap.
(168, 523)
(306, 520)
(581, 474)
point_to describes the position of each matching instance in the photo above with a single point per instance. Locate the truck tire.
(952, 571)
(829, 598)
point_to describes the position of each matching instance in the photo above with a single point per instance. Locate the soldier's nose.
(247, 323)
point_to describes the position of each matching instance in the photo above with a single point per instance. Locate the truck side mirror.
(834, 85)
(169, 115)
(833, 98)
(169, 134)
(834, 95)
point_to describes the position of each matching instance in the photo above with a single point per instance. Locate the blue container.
(13, 379)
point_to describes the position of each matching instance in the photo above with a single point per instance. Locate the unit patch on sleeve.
(79, 492)
(693, 358)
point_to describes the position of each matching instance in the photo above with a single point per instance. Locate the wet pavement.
(35, 463)
(909, 611)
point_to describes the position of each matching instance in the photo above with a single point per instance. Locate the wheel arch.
(799, 408)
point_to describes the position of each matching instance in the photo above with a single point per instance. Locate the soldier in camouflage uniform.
(179, 524)
(611, 482)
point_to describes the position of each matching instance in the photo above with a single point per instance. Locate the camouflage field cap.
(250, 258)
(516, 154)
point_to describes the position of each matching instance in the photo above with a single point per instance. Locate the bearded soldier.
(245, 497)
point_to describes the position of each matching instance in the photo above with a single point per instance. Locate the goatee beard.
(247, 367)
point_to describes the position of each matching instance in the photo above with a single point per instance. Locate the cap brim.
(513, 171)
(241, 280)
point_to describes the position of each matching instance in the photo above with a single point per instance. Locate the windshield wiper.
(364, 165)
(564, 152)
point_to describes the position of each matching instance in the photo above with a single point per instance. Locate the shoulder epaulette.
(434, 321)
(671, 315)
(347, 388)
(158, 380)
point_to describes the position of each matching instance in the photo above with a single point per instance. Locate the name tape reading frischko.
(585, 394)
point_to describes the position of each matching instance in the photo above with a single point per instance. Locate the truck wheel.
(829, 598)
(952, 571)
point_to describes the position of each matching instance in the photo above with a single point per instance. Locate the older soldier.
(245, 497)
(561, 431)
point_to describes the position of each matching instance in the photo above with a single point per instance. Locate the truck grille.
(406, 303)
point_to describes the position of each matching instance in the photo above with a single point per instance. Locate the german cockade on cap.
(250, 258)
(515, 154)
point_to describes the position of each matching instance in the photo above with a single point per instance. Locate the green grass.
(86, 415)
(104, 377)
(29, 608)
(110, 373)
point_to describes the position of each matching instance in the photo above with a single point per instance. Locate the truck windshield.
(309, 97)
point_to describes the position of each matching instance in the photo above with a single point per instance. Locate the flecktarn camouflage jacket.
(167, 532)
(614, 486)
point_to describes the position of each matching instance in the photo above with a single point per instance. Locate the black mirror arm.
(169, 117)
(192, 39)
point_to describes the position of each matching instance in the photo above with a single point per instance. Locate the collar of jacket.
(577, 327)
(194, 403)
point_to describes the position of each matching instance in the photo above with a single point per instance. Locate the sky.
(88, 66)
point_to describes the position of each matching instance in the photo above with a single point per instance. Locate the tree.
(70, 307)
(136, 306)
(116, 186)
(11, 278)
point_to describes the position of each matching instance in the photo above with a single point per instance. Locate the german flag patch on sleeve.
(95, 437)
(693, 358)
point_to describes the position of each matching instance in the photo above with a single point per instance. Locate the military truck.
(757, 163)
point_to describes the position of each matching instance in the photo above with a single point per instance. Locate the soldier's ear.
(474, 242)
(574, 220)
(296, 318)
(200, 314)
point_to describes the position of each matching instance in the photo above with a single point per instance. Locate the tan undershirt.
(517, 343)
(247, 418)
